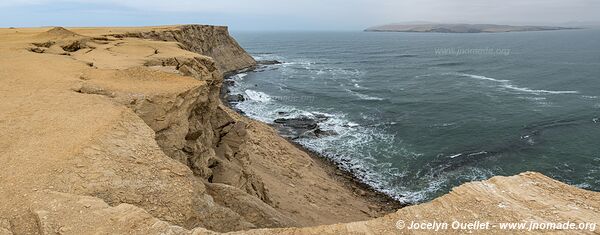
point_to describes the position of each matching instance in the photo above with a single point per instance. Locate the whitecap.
(584, 186)
(483, 77)
(455, 155)
(352, 124)
(507, 84)
(367, 97)
(240, 76)
(425, 75)
(322, 114)
(524, 89)
(364, 96)
(533, 98)
(477, 153)
(257, 96)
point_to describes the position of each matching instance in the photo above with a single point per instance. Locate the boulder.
(268, 62)
(302, 122)
(235, 98)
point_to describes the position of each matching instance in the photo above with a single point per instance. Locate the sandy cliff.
(212, 41)
(133, 116)
(121, 130)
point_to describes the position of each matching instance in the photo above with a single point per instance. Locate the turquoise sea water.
(417, 114)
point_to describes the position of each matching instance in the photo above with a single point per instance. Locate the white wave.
(363, 96)
(524, 89)
(533, 98)
(322, 114)
(241, 76)
(257, 96)
(426, 75)
(584, 186)
(366, 97)
(268, 56)
(432, 184)
(477, 153)
(352, 124)
(299, 62)
(455, 156)
(507, 84)
(483, 77)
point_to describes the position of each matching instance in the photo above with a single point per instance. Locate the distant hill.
(459, 28)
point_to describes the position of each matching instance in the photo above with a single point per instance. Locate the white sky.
(299, 14)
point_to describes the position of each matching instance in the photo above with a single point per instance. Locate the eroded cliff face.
(122, 131)
(212, 41)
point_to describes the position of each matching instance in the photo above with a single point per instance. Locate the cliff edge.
(208, 40)
(121, 130)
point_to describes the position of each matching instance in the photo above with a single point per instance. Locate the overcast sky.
(292, 15)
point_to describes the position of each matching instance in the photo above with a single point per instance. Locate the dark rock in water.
(239, 111)
(303, 122)
(268, 62)
(323, 133)
(309, 134)
(228, 82)
(224, 92)
(320, 117)
(288, 132)
(281, 113)
(235, 98)
(302, 127)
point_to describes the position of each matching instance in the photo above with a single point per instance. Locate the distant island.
(459, 28)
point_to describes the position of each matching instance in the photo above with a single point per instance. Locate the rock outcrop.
(212, 41)
(527, 198)
(121, 130)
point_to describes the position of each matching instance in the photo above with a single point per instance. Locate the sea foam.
(258, 96)
(507, 84)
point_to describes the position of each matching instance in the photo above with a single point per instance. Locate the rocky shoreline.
(306, 127)
(291, 128)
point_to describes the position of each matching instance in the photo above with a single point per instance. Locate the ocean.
(415, 114)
